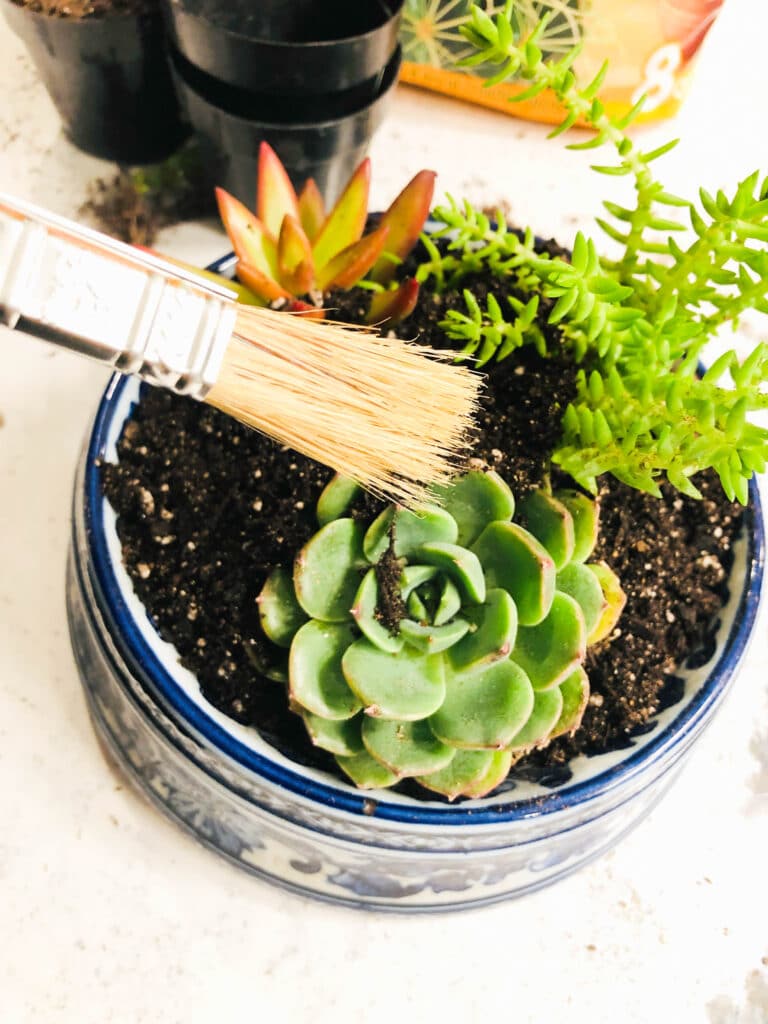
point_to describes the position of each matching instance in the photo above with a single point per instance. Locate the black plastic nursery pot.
(109, 80)
(301, 48)
(324, 140)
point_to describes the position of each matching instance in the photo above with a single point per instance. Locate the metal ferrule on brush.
(87, 292)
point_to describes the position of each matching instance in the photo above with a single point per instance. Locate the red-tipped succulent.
(291, 247)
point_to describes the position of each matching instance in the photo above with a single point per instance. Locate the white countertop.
(110, 914)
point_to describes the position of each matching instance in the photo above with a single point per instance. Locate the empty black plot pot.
(231, 124)
(109, 80)
(297, 48)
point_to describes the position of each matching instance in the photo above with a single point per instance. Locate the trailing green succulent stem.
(638, 324)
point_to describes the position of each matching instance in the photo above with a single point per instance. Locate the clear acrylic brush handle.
(89, 293)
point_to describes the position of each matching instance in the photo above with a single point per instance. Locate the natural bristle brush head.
(390, 414)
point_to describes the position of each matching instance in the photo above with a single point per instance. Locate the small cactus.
(292, 247)
(443, 644)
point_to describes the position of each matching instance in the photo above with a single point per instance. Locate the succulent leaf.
(272, 663)
(294, 257)
(551, 650)
(414, 576)
(461, 565)
(405, 686)
(316, 680)
(416, 607)
(346, 221)
(449, 602)
(280, 613)
(336, 498)
(494, 635)
(326, 572)
(342, 738)
(261, 284)
(275, 195)
(412, 529)
(475, 500)
(575, 693)
(466, 773)
(580, 583)
(390, 307)
(432, 639)
(252, 243)
(615, 599)
(352, 264)
(551, 523)
(405, 219)
(546, 713)
(364, 613)
(307, 310)
(586, 517)
(484, 710)
(406, 748)
(311, 209)
(497, 771)
(516, 562)
(366, 772)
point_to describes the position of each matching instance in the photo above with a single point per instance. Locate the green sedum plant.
(441, 645)
(292, 247)
(636, 324)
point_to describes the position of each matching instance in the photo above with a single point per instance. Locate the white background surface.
(109, 914)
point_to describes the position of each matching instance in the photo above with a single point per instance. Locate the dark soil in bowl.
(206, 508)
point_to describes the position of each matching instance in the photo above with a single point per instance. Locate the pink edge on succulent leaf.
(353, 263)
(305, 309)
(390, 307)
(252, 243)
(346, 221)
(405, 218)
(294, 257)
(311, 209)
(264, 286)
(275, 195)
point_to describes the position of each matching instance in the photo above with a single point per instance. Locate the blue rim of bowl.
(654, 750)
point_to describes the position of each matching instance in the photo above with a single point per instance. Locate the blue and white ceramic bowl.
(306, 829)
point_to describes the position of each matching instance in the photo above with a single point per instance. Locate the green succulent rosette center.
(441, 644)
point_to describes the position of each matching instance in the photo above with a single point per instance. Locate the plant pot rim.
(661, 749)
(284, 44)
(78, 23)
(388, 81)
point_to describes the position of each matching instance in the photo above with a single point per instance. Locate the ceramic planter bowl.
(109, 80)
(311, 832)
(303, 48)
(321, 139)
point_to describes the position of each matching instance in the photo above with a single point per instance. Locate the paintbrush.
(392, 415)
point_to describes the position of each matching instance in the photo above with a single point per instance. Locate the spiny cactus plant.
(431, 29)
(293, 248)
(441, 645)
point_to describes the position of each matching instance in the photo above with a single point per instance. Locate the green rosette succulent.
(441, 645)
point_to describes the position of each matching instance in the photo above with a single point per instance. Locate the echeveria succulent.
(292, 247)
(440, 645)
